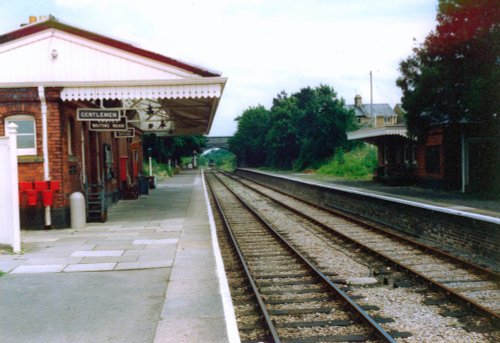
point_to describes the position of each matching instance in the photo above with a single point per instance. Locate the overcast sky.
(261, 46)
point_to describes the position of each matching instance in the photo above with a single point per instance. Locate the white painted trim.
(227, 303)
(119, 83)
(143, 92)
(471, 215)
(23, 117)
(377, 132)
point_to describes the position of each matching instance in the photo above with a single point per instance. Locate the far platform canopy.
(160, 94)
(371, 135)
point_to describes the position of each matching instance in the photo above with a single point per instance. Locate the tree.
(281, 143)
(172, 147)
(453, 77)
(321, 124)
(248, 143)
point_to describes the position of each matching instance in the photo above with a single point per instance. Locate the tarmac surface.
(151, 273)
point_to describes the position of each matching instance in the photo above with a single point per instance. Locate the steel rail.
(354, 308)
(267, 318)
(478, 308)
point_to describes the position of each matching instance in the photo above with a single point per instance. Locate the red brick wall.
(31, 168)
(63, 166)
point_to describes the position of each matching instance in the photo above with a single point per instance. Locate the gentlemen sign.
(109, 114)
(109, 125)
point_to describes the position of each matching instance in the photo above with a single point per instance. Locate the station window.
(410, 154)
(26, 133)
(70, 134)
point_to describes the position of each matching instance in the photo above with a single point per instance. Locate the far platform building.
(464, 156)
(382, 126)
(49, 72)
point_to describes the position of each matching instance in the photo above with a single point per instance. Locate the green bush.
(358, 163)
(161, 171)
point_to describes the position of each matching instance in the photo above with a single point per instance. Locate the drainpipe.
(84, 167)
(45, 148)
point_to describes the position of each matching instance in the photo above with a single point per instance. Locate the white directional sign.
(102, 125)
(129, 133)
(108, 114)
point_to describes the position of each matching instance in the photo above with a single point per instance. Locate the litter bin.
(143, 185)
(152, 182)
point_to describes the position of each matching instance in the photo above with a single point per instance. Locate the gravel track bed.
(321, 331)
(290, 288)
(303, 296)
(309, 304)
(410, 314)
(404, 305)
(311, 317)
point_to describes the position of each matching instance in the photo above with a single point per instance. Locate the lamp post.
(151, 178)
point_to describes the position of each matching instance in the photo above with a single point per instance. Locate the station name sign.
(108, 114)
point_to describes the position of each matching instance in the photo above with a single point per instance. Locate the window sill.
(29, 159)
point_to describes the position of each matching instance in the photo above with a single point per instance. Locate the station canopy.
(159, 94)
(371, 135)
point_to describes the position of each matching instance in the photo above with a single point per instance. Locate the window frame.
(23, 117)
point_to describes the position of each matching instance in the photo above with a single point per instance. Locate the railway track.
(471, 285)
(297, 302)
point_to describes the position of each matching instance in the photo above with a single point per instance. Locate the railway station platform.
(151, 273)
(453, 200)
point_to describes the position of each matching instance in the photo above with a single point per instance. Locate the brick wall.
(64, 166)
(472, 239)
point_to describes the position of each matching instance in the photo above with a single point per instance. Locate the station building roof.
(168, 96)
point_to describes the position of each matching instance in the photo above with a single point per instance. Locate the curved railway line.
(454, 281)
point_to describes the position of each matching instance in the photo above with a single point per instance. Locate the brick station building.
(50, 72)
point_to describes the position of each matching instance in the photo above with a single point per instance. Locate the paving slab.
(144, 264)
(41, 268)
(81, 307)
(90, 267)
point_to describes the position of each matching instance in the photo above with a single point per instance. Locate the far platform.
(453, 200)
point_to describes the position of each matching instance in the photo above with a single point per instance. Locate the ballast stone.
(361, 281)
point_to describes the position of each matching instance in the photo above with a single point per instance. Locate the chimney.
(357, 101)
(32, 19)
